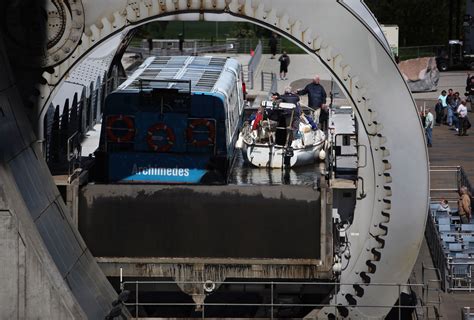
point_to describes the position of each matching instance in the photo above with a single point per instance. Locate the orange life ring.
(130, 128)
(211, 135)
(170, 137)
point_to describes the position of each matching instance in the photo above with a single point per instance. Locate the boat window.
(165, 101)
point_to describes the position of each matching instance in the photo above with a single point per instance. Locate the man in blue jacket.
(316, 96)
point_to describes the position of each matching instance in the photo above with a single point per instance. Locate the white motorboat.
(268, 146)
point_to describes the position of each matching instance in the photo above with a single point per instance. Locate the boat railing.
(467, 314)
(337, 156)
(177, 84)
(201, 289)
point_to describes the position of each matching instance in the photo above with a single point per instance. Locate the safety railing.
(269, 82)
(166, 47)
(431, 291)
(65, 132)
(254, 63)
(190, 46)
(456, 271)
(448, 180)
(438, 255)
(73, 152)
(461, 275)
(467, 314)
(445, 182)
(463, 180)
(275, 303)
(418, 52)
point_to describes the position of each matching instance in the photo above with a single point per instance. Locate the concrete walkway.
(301, 71)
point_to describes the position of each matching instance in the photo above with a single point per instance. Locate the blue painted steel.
(163, 168)
(169, 154)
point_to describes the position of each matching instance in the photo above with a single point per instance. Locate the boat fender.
(288, 154)
(240, 141)
(322, 155)
(337, 267)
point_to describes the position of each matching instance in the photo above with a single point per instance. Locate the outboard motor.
(287, 156)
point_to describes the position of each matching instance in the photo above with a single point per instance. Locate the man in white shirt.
(429, 123)
(463, 120)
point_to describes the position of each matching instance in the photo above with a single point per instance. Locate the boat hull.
(272, 156)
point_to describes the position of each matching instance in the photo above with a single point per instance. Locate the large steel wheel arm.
(389, 221)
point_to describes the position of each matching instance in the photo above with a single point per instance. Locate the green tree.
(421, 22)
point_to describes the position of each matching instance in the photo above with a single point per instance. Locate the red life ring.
(211, 135)
(129, 128)
(170, 137)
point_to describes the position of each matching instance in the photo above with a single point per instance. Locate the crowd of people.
(316, 103)
(450, 110)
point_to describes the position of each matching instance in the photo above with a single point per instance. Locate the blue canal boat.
(174, 121)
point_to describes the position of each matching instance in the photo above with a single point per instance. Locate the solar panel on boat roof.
(203, 72)
(217, 61)
(208, 79)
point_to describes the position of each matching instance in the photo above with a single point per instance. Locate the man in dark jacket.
(290, 97)
(272, 43)
(470, 89)
(316, 96)
(284, 63)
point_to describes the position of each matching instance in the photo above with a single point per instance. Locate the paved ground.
(301, 71)
(449, 149)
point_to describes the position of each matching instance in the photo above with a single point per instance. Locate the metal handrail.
(254, 63)
(271, 79)
(89, 112)
(434, 242)
(461, 283)
(467, 314)
(135, 285)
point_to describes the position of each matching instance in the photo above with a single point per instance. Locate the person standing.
(443, 97)
(470, 88)
(180, 43)
(464, 205)
(429, 123)
(284, 63)
(454, 106)
(272, 43)
(450, 102)
(463, 120)
(439, 112)
(150, 46)
(290, 97)
(316, 96)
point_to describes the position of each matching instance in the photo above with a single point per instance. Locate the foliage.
(421, 22)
